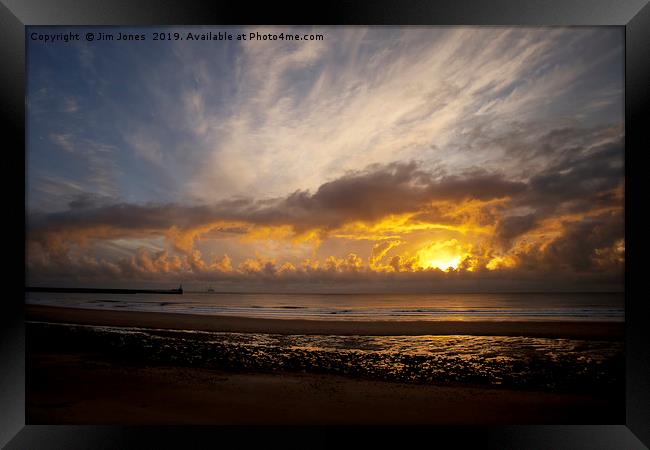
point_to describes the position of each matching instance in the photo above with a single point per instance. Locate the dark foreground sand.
(74, 386)
(568, 330)
(78, 388)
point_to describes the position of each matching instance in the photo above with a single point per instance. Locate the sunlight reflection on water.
(391, 307)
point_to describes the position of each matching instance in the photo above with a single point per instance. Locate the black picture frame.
(634, 15)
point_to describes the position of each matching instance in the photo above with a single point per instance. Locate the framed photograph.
(369, 216)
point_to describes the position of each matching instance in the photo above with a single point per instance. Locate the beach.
(550, 329)
(353, 225)
(82, 388)
(89, 366)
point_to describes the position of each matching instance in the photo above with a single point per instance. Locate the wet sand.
(86, 388)
(567, 330)
(76, 381)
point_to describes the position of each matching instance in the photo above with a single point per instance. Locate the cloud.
(352, 158)
(379, 250)
(100, 171)
(70, 105)
(146, 147)
(383, 190)
(513, 226)
(539, 241)
(353, 100)
(366, 196)
(64, 141)
(594, 243)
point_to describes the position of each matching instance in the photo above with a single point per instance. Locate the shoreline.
(234, 324)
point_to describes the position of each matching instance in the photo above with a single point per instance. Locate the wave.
(358, 307)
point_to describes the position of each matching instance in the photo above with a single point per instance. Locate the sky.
(391, 159)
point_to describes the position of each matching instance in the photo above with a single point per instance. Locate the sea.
(516, 361)
(597, 307)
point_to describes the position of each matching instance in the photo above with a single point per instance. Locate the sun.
(441, 255)
(444, 263)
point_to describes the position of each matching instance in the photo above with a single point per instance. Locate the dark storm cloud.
(593, 244)
(361, 196)
(382, 190)
(580, 174)
(583, 175)
(528, 141)
(513, 226)
(584, 241)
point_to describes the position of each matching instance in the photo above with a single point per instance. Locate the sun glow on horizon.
(442, 255)
(444, 264)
